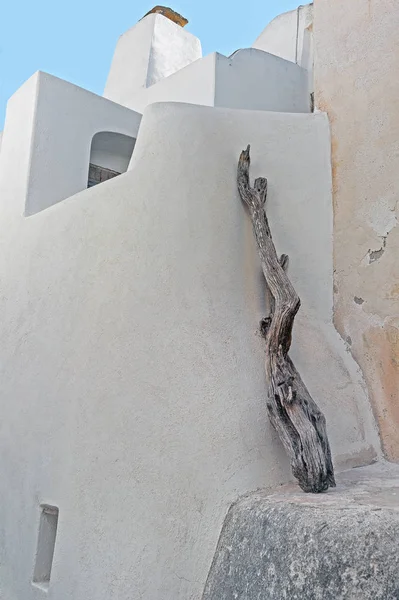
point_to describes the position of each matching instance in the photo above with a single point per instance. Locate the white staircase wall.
(249, 79)
(132, 379)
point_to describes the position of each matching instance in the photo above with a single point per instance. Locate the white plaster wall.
(195, 84)
(148, 52)
(173, 48)
(16, 149)
(257, 80)
(305, 36)
(133, 393)
(280, 36)
(130, 62)
(249, 79)
(55, 139)
(286, 36)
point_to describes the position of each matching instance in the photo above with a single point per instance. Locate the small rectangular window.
(45, 546)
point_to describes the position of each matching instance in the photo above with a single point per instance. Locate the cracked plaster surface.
(354, 85)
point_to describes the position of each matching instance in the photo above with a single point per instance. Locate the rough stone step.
(342, 545)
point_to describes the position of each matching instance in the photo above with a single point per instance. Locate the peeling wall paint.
(355, 65)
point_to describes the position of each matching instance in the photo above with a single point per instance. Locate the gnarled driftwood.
(297, 419)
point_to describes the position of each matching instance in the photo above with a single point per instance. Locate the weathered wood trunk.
(297, 419)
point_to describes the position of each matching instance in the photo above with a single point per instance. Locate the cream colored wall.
(356, 83)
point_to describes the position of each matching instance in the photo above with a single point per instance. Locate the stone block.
(342, 545)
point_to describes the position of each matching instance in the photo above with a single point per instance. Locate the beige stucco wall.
(356, 66)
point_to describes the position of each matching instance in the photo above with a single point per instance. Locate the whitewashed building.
(132, 388)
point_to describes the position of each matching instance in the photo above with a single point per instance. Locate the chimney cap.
(169, 14)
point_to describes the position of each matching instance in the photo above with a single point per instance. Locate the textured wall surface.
(145, 54)
(194, 84)
(132, 394)
(257, 80)
(355, 84)
(249, 79)
(286, 35)
(48, 132)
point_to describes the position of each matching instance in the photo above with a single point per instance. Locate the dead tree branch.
(297, 419)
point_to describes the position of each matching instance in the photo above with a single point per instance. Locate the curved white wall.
(257, 80)
(133, 393)
(289, 36)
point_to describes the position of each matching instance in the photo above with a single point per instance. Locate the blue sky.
(75, 40)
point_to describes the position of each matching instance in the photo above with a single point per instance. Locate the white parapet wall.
(250, 79)
(290, 36)
(49, 128)
(132, 381)
(147, 53)
(257, 80)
